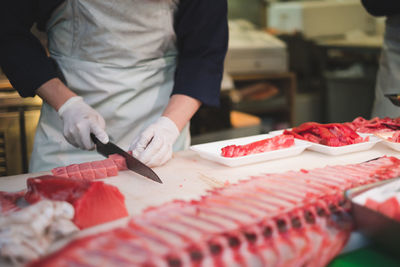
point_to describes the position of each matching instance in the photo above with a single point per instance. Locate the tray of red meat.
(332, 138)
(390, 139)
(374, 125)
(376, 211)
(251, 149)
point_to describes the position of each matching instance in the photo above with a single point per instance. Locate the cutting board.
(187, 176)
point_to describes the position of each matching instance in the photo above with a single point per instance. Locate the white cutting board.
(187, 176)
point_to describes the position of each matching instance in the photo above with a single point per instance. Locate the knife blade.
(133, 164)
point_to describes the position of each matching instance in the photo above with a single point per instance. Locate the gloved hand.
(79, 121)
(154, 145)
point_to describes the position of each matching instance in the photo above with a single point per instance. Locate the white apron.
(120, 56)
(388, 80)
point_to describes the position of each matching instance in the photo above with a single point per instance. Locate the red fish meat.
(291, 219)
(93, 170)
(8, 201)
(94, 202)
(269, 144)
(332, 134)
(374, 125)
(395, 137)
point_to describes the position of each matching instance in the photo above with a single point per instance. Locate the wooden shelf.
(263, 76)
(18, 120)
(5, 84)
(10, 99)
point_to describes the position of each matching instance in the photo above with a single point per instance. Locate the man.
(133, 72)
(388, 80)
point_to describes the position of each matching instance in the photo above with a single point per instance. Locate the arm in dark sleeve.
(382, 7)
(202, 38)
(22, 57)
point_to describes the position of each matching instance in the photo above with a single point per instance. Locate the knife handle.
(94, 139)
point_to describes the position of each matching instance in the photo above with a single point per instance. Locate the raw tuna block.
(99, 170)
(111, 167)
(86, 171)
(99, 204)
(60, 172)
(73, 171)
(94, 202)
(119, 161)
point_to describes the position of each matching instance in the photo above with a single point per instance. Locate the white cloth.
(388, 80)
(27, 234)
(120, 56)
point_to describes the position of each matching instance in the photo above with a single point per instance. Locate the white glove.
(79, 121)
(154, 145)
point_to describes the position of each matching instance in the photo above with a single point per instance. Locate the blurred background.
(288, 62)
(294, 61)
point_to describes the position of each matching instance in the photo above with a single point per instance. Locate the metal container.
(373, 224)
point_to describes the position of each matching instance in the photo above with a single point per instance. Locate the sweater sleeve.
(202, 38)
(382, 7)
(22, 57)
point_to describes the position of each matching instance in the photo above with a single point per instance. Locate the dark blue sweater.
(382, 7)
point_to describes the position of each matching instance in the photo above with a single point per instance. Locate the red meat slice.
(312, 138)
(374, 125)
(119, 161)
(111, 167)
(99, 170)
(372, 204)
(94, 202)
(269, 144)
(296, 135)
(8, 201)
(73, 171)
(60, 172)
(395, 137)
(305, 127)
(333, 134)
(101, 203)
(390, 208)
(86, 171)
(55, 188)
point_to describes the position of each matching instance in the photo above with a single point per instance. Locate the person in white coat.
(388, 79)
(133, 72)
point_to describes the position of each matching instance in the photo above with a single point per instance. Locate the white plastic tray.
(384, 136)
(212, 151)
(278, 132)
(334, 151)
(392, 145)
(380, 193)
(340, 150)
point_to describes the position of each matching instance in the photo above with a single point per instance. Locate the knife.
(132, 163)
